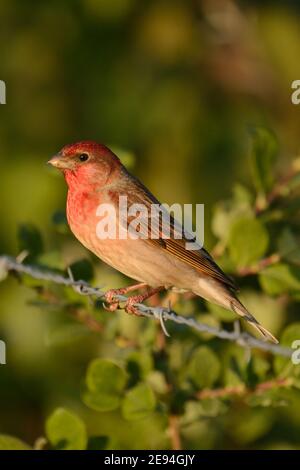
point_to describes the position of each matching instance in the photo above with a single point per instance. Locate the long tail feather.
(239, 308)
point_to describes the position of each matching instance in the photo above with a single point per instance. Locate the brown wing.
(199, 259)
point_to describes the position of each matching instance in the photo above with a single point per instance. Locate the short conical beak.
(59, 162)
(54, 161)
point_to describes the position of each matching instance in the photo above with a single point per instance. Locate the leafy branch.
(241, 390)
(260, 266)
(9, 264)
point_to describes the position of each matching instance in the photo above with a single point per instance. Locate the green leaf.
(105, 376)
(105, 382)
(100, 401)
(225, 213)
(288, 246)
(248, 241)
(8, 442)
(280, 278)
(222, 219)
(263, 157)
(65, 430)
(30, 240)
(139, 402)
(242, 196)
(204, 367)
(157, 382)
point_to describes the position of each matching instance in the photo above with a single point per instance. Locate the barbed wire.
(163, 314)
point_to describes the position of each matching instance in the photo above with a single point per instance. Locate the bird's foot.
(111, 303)
(130, 306)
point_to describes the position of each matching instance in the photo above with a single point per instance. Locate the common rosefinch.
(95, 176)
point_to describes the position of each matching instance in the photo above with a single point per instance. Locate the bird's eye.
(83, 157)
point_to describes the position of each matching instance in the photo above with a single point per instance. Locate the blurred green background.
(174, 87)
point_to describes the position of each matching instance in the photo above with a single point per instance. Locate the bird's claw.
(110, 296)
(111, 304)
(111, 307)
(130, 306)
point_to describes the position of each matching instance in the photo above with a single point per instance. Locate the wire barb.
(159, 314)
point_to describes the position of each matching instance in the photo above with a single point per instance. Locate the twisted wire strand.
(244, 339)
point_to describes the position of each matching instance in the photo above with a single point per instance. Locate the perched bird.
(95, 176)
